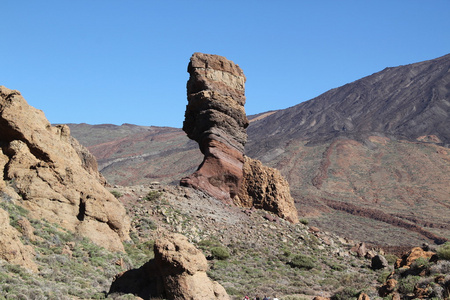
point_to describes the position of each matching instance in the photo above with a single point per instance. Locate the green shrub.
(406, 285)
(116, 194)
(302, 262)
(346, 294)
(304, 221)
(153, 195)
(220, 253)
(443, 251)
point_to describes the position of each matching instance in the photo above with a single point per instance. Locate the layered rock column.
(215, 118)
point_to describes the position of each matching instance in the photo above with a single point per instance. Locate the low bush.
(302, 262)
(220, 253)
(116, 194)
(443, 251)
(153, 195)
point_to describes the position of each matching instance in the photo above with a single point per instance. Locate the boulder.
(265, 188)
(54, 177)
(408, 258)
(379, 262)
(11, 247)
(178, 271)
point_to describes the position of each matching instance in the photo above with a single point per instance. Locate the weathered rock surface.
(178, 271)
(11, 247)
(265, 188)
(54, 177)
(215, 118)
(408, 258)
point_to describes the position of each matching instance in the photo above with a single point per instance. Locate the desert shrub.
(301, 261)
(304, 221)
(406, 285)
(420, 263)
(443, 251)
(220, 253)
(391, 258)
(116, 194)
(346, 294)
(153, 196)
(441, 267)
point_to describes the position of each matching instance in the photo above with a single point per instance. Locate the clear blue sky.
(124, 61)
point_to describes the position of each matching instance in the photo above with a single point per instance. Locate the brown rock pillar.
(215, 118)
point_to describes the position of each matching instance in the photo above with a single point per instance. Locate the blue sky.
(117, 61)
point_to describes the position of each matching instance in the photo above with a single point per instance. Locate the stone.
(178, 272)
(11, 247)
(363, 296)
(265, 188)
(379, 262)
(215, 118)
(388, 287)
(408, 258)
(360, 249)
(54, 177)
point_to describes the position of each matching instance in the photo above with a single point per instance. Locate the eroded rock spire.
(215, 118)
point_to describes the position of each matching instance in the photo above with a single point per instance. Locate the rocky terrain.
(368, 160)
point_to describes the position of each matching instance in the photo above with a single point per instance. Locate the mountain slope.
(407, 102)
(368, 160)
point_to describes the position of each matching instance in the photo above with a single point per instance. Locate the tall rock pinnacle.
(215, 118)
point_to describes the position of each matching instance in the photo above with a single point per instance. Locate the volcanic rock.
(215, 118)
(408, 258)
(54, 177)
(265, 188)
(11, 248)
(379, 262)
(178, 271)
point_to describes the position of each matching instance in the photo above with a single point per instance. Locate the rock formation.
(215, 118)
(54, 177)
(178, 271)
(265, 188)
(11, 248)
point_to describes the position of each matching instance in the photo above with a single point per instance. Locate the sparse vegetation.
(116, 194)
(153, 195)
(443, 251)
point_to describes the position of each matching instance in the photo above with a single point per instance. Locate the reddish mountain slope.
(368, 160)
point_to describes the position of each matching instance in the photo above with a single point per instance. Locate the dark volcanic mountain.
(404, 102)
(368, 160)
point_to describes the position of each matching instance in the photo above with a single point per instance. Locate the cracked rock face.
(215, 118)
(54, 177)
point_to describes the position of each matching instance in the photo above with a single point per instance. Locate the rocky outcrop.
(11, 247)
(215, 118)
(54, 177)
(265, 188)
(408, 258)
(178, 271)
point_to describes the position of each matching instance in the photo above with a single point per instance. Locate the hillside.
(368, 160)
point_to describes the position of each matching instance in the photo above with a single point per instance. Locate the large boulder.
(54, 177)
(177, 272)
(265, 188)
